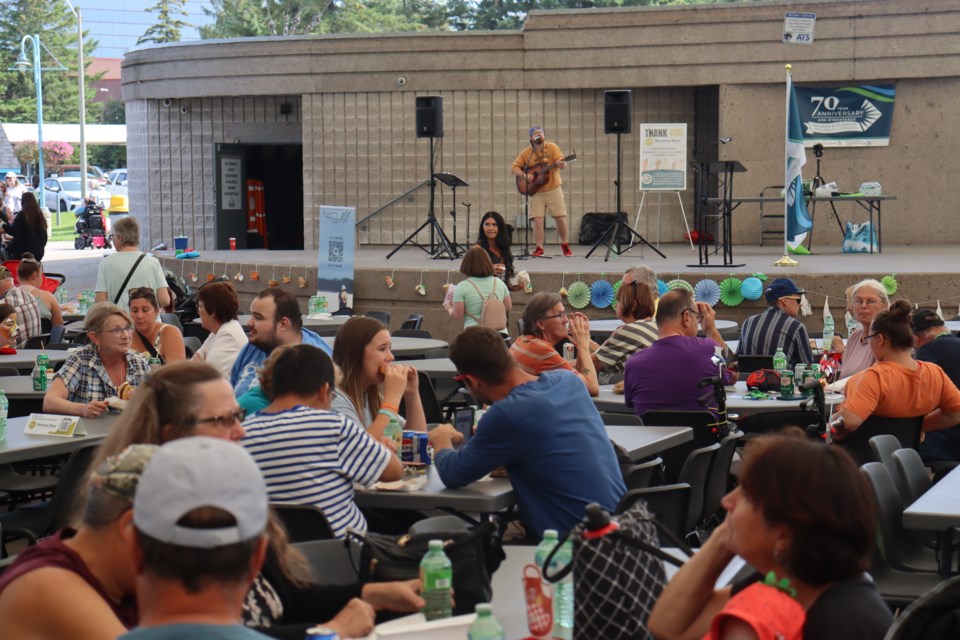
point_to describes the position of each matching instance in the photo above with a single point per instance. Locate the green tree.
(57, 27)
(244, 18)
(114, 112)
(169, 25)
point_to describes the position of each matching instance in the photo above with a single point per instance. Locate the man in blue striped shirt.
(778, 327)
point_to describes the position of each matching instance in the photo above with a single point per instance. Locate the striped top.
(625, 341)
(535, 356)
(763, 333)
(309, 456)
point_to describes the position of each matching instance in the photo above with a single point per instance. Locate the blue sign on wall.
(846, 116)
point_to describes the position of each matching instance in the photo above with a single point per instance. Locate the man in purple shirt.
(667, 374)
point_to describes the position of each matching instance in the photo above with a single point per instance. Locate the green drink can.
(786, 383)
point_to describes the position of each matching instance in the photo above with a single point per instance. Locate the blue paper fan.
(662, 287)
(752, 288)
(707, 291)
(601, 294)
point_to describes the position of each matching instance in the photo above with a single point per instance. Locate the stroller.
(91, 229)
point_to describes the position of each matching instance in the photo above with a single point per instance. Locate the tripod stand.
(620, 224)
(439, 243)
(818, 182)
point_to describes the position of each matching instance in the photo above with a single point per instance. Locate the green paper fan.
(578, 294)
(680, 283)
(616, 290)
(890, 284)
(730, 292)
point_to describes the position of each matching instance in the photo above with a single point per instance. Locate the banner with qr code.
(336, 256)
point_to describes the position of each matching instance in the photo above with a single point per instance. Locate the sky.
(117, 25)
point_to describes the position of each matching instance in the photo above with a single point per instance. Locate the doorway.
(275, 169)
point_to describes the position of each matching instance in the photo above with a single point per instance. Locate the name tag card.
(48, 424)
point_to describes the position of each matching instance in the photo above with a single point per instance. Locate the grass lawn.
(65, 229)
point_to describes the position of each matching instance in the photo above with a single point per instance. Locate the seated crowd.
(175, 535)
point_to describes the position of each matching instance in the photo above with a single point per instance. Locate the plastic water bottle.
(852, 324)
(486, 626)
(312, 304)
(827, 333)
(563, 590)
(4, 408)
(436, 575)
(779, 360)
(394, 433)
(82, 302)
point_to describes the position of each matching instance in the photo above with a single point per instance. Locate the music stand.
(723, 170)
(437, 236)
(453, 182)
(620, 223)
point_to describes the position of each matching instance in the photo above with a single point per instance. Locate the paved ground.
(80, 267)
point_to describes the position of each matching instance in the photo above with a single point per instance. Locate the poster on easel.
(336, 257)
(663, 157)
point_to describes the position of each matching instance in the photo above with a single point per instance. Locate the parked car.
(62, 194)
(73, 171)
(117, 177)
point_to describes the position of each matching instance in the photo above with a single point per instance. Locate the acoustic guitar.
(541, 174)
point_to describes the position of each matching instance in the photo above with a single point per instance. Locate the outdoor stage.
(924, 273)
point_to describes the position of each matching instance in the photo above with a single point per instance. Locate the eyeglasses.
(871, 336)
(860, 302)
(139, 291)
(794, 298)
(696, 313)
(562, 314)
(118, 331)
(224, 422)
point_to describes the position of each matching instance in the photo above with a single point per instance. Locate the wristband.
(389, 414)
(384, 405)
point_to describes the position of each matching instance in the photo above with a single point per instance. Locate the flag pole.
(786, 260)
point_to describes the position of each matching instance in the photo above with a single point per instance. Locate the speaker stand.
(440, 246)
(620, 223)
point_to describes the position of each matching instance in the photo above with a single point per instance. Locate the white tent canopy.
(95, 133)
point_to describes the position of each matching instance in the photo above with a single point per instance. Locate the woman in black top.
(29, 231)
(494, 238)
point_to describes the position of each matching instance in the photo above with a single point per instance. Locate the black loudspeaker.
(617, 110)
(429, 116)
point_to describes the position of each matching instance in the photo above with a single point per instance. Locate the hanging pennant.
(286, 279)
(422, 290)
(238, 276)
(563, 283)
(389, 280)
(272, 282)
(939, 311)
(212, 275)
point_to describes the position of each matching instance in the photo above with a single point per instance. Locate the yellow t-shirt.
(549, 154)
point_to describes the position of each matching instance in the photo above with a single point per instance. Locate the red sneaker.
(566, 249)
(538, 252)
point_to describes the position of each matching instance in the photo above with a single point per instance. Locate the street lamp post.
(83, 102)
(22, 65)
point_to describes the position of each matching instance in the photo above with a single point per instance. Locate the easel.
(643, 198)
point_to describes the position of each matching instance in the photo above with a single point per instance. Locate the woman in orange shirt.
(896, 385)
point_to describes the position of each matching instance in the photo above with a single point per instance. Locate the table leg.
(946, 553)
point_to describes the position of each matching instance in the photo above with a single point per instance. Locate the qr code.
(335, 250)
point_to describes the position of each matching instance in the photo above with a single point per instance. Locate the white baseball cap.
(10, 174)
(196, 472)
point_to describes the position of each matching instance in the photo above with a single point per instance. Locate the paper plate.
(578, 294)
(707, 291)
(601, 294)
(731, 293)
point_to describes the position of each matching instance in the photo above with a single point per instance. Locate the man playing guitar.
(530, 164)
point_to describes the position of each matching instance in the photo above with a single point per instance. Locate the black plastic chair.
(414, 321)
(640, 476)
(428, 398)
(749, 364)
(933, 615)
(883, 447)
(191, 345)
(906, 430)
(668, 503)
(621, 419)
(382, 316)
(329, 561)
(9, 371)
(899, 548)
(172, 319)
(703, 435)
(346, 311)
(911, 473)
(718, 478)
(63, 346)
(303, 522)
(696, 473)
(56, 334)
(35, 521)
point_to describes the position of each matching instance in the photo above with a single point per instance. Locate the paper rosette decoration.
(680, 283)
(752, 288)
(890, 284)
(616, 290)
(662, 287)
(578, 294)
(730, 292)
(601, 294)
(707, 291)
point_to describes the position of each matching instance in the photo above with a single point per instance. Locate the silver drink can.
(569, 352)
